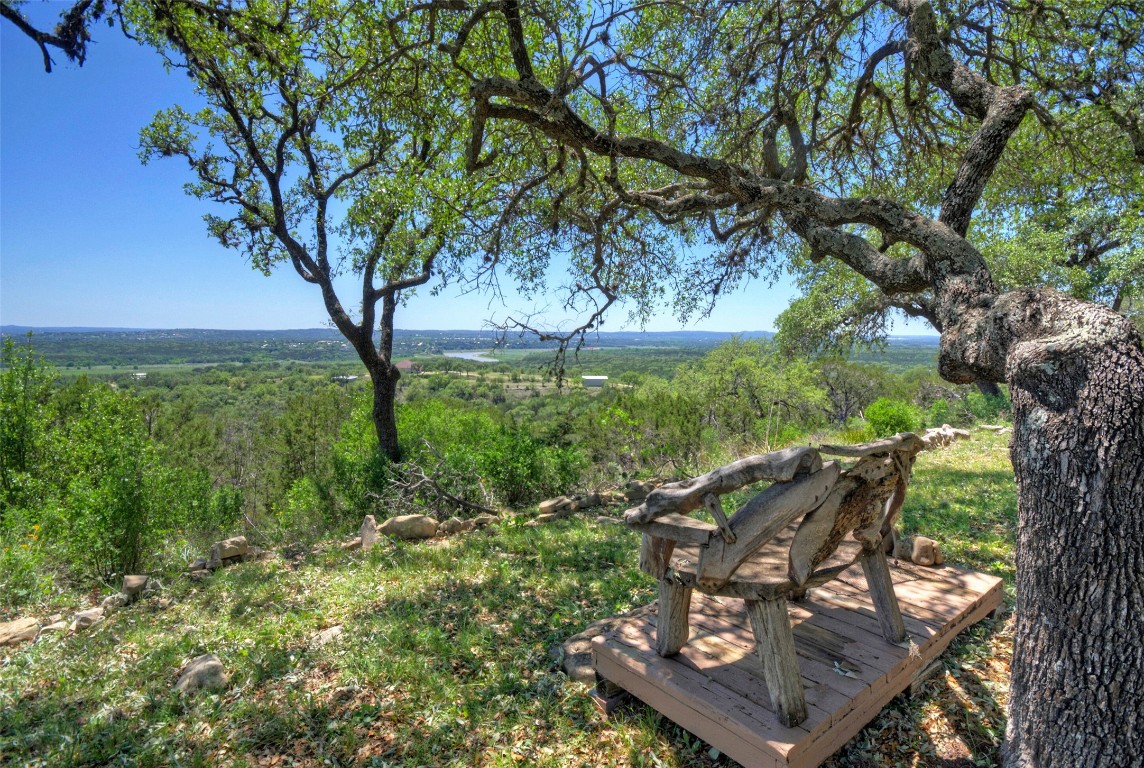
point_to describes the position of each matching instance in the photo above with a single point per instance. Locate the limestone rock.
(227, 551)
(451, 526)
(199, 574)
(575, 653)
(18, 631)
(638, 490)
(197, 565)
(55, 626)
(608, 520)
(327, 635)
(203, 672)
(352, 544)
(88, 618)
(554, 505)
(133, 585)
(940, 437)
(409, 527)
(485, 519)
(926, 551)
(111, 603)
(546, 518)
(368, 533)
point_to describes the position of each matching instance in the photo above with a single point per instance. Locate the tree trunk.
(1077, 696)
(385, 378)
(988, 388)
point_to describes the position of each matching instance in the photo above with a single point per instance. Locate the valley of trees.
(286, 452)
(978, 165)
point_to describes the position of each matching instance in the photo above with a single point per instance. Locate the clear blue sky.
(91, 237)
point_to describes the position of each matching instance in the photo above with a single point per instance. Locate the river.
(478, 357)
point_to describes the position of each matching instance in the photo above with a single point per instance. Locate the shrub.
(361, 471)
(888, 417)
(24, 576)
(987, 407)
(120, 500)
(856, 434)
(475, 454)
(305, 514)
(939, 413)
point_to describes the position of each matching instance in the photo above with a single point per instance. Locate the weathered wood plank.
(740, 671)
(760, 520)
(687, 495)
(775, 647)
(674, 606)
(715, 715)
(764, 575)
(882, 593)
(655, 554)
(835, 600)
(820, 652)
(679, 528)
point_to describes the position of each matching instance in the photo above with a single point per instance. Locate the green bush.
(120, 500)
(939, 413)
(987, 407)
(25, 415)
(24, 575)
(474, 454)
(85, 488)
(888, 417)
(305, 513)
(361, 471)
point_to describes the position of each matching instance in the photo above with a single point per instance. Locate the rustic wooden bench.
(809, 525)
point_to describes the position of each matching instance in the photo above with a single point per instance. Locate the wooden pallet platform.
(714, 688)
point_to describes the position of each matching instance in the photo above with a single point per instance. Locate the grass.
(444, 659)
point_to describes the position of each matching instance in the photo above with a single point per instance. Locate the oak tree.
(864, 133)
(330, 143)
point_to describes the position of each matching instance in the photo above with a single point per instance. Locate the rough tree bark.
(1077, 696)
(385, 378)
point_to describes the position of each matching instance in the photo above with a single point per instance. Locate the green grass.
(445, 658)
(964, 496)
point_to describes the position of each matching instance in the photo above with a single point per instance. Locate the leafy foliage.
(482, 458)
(888, 417)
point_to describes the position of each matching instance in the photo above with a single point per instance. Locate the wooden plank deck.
(715, 689)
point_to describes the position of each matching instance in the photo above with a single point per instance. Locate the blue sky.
(91, 237)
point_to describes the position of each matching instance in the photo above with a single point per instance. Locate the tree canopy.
(867, 135)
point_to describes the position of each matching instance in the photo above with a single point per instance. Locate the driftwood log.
(687, 495)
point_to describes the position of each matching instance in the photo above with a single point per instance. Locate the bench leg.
(671, 629)
(882, 593)
(774, 644)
